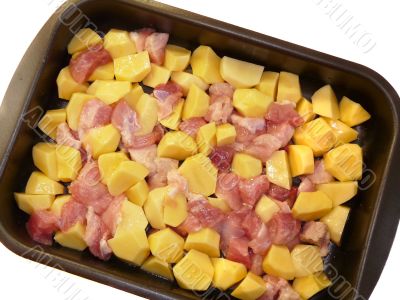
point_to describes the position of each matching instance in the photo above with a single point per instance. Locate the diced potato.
(73, 238)
(40, 184)
(158, 75)
(176, 58)
(289, 87)
(45, 159)
(269, 84)
(251, 102)
(74, 108)
(311, 206)
(194, 272)
(317, 134)
(50, 121)
(278, 262)
(336, 220)
(102, 140)
(118, 43)
(154, 207)
(226, 134)
(200, 174)
(266, 208)
(174, 119)
(196, 104)
(132, 216)
(138, 193)
(345, 162)
(85, 38)
(250, 288)
(343, 133)
(130, 245)
(310, 285)
(167, 245)
(69, 163)
(127, 174)
(206, 64)
(58, 204)
(133, 68)
(147, 110)
(325, 103)
(177, 145)
(175, 210)
(227, 273)
(240, 74)
(108, 162)
(30, 203)
(246, 166)
(339, 192)
(206, 240)
(301, 159)
(134, 95)
(305, 109)
(306, 260)
(206, 138)
(109, 91)
(219, 203)
(186, 80)
(158, 267)
(103, 72)
(67, 85)
(277, 169)
(352, 113)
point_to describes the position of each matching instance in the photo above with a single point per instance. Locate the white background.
(302, 22)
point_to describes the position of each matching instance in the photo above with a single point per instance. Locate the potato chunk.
(206, 138)
(206, 240)
(186, 80)
(251, 102)
(158, 75)
(196, 104)
(167, 245)
(132, 98)
(269, 84)
(104, 72)
(118, 43)
(226, 134)
(73, 238)
(133, 68)
(301, 159)
(174, 119)
(219, 203)
(306, 260)
(40, 184)
(74, 108)
(278, 262)
(240, 74)
(289, 87)
(305, 109)
(127, 174)
(177, 145)
(50, 121)
(266, 208)
(339, 192)
(102, 140)
(325, 103)
(154, 207)
(345, 162)
(227, 273)
(343, 133)
(109, 91)
(31, 203)
(158, 267)
(277, 169)
(138, 193)
(132, 216)
(246, 166)
(206, 64)
(310, 285)
(250, 288)
(45, 159)
(336, 220)
(175, 210)
(108, 163)
(69, 163)
(85, 38)
(176, 58)
(147, 110)
(58, 204)
(311, 206)
(352, 113)
(67, 85)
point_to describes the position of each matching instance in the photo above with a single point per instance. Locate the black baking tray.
(369, 233)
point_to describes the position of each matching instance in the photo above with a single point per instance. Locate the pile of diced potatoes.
(196, 262)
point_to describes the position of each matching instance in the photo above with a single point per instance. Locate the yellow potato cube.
(336, 220)
(167, 245)
(133, 68)
(311, 206)
(206, 240)
(200, 174)
(278, 262)
(58, 204)
(266, 208)
(196, 104)
(50, 121)
(69, 163)
(227, 273)
(250, 288)
(306, 260)
(175, 210)
(30, 203)
(206, 64)
(40, 184)
(352, 113)
(118, 43)
(325, 103)
(109, 91)
(158, 267)
(269, 84)
(277, 169)
(45, 159)
(85, 38)
(343, 133)
(194, 272)
(67, 85)
(174, 119)
(177, 145)
(127, 174)
(246, 166)
(310, 285)
(104, 72)
(251, 102)
(305, 110)
(102, 140)
(176, 58)
(108, 163)
(186, 80)
(73, 238)
(157, 75)
(289, 87)
(219, 203)
(226, 134)
(132, 98)
(206, 138)
(154, 207)
(74, 108)
(240, 74)
(138, 193)
(147, 110)
(132, 216)
(301, 159)
(345, 162)
(339, 192)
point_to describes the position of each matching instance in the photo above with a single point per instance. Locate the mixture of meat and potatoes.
(222, 176)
